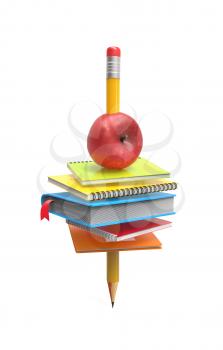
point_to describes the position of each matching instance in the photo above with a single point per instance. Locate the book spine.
(131, 191)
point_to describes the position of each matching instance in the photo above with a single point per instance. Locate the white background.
(52, 55)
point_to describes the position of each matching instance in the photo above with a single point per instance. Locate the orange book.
(85, 242)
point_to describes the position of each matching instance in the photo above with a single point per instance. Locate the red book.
(127, 230)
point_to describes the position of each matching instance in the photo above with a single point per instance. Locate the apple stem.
(123, 138)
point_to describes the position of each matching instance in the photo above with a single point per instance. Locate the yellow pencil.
(113, 106)
(112, 273)
(113, 80)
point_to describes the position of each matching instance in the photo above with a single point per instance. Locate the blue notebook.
(110, 211)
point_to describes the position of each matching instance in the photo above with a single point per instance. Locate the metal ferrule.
(113, 67)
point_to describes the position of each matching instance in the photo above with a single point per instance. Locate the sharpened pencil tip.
(113, 303)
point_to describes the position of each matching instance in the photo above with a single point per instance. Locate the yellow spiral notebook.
(69, 183)
(90, 173)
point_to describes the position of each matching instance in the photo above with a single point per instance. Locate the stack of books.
(112, 208)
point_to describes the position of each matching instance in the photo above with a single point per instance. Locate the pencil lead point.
(113, 303)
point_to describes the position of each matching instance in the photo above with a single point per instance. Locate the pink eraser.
(113, 51)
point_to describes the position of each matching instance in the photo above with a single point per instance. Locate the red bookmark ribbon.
(44, 212)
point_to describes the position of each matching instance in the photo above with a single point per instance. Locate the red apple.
(114, 140)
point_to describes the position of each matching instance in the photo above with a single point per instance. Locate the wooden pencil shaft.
(113, 267)
(113, 95)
